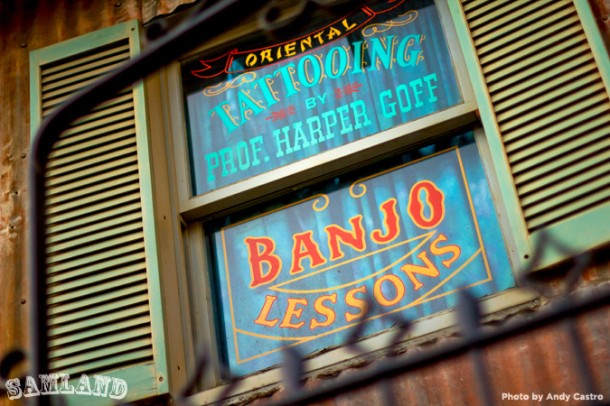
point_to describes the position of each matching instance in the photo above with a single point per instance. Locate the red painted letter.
(390, 223)
(305, 247)
(434, 200)
(338, 235)
(260, 251)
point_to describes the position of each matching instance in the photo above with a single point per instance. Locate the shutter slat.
(472, 6)
(542, 81)
(554, 134)
(566, 153)
(99, 257)
(548, 105)
(110, 110)
(97, 302)
(67, 362)
(110, 339)
(97, 323)
(543, 40)
(508, 25)
(573, 207)
(566, 190)
(109, 308)
(128, 262)
(70, 226)
(49, 105)
(86, 143)
(57, 297)
(552, 95)
(101, 162)
(78, 75)
(67, 64)
(70, 90)
(78, 155)
(130, 176)
(538, 86)
(101, 365)
(511, 74)
(89, 182)
(492, 10)
(70, 282)
(565, 171)
(477, 8)
(76, 177)
(101, 195)
(103, 126)
(95, 208)
(101, 329)
(95, 236)
(98, 247)
(549, 120)
(550, 28)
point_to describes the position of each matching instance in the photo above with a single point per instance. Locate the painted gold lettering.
(352, 301)
(428, 270)
(452, 249)
(293, 311)
(262, 317)
(324, 310)
(399, 288)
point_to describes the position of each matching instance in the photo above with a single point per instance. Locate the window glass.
(262, 104)
(409, 235)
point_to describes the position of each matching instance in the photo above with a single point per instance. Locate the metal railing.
(168, 45)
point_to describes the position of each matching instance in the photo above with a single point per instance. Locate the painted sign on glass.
(408, 237)
(260, 107)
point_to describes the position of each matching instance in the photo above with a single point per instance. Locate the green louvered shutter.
(540, 72)
(104, 309)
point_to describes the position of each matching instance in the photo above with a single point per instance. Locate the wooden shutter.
(104, 309)
(541, 74)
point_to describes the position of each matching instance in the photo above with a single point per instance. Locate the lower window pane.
(408, 237)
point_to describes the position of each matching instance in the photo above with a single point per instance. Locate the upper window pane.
(266, 104)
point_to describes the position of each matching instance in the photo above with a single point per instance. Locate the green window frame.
(193, 210)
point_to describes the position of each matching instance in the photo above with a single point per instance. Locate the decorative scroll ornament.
(402, 19)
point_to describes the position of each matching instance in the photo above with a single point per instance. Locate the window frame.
(190, 212)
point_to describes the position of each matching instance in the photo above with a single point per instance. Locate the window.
(260, 189)
(308, 182)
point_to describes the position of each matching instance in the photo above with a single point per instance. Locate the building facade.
(313, 192)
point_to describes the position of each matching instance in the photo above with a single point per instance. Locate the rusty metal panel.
(154, 8)
(540, 363)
